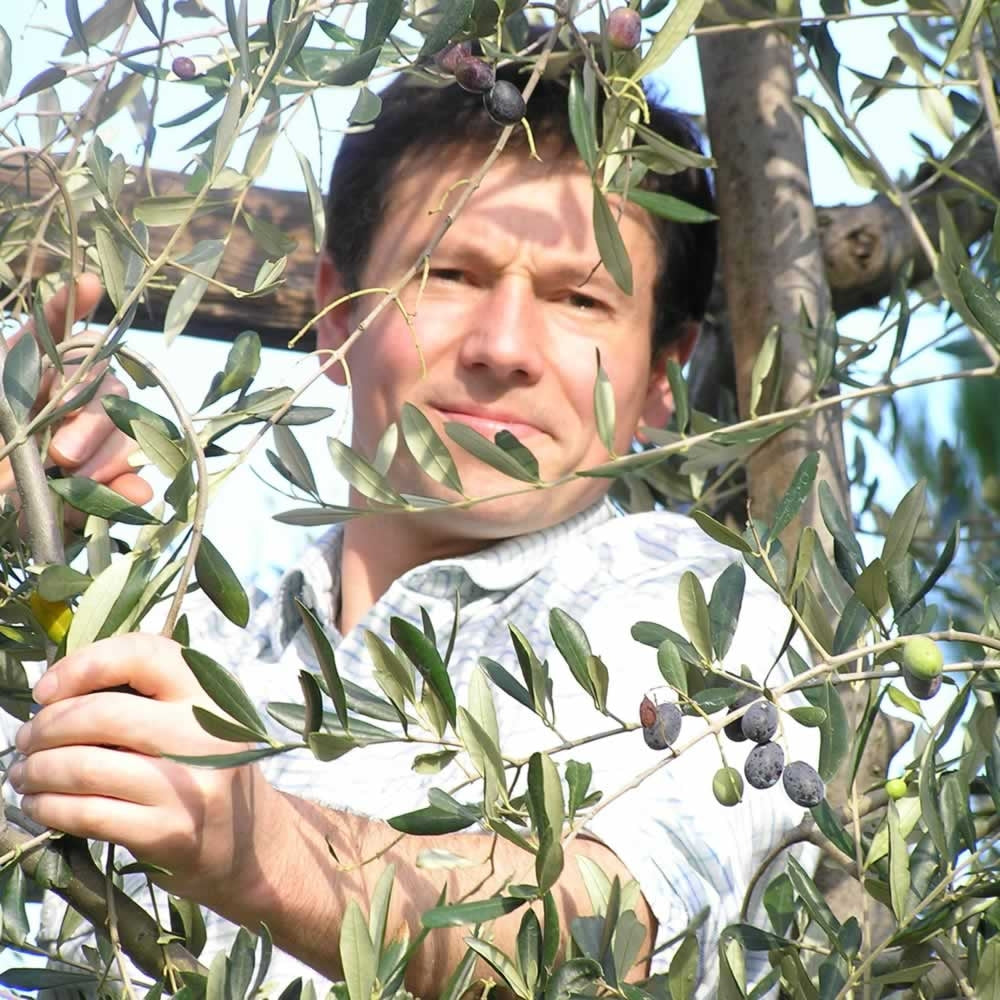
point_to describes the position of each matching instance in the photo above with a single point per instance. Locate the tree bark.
(772, 260)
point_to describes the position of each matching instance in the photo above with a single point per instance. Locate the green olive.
(727, 785)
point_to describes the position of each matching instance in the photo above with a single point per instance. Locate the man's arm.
(94, 768)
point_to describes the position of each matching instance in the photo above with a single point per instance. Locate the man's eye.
(580, 301)
(446, 274)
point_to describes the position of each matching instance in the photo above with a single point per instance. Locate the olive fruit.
(451, 55)
(624, 28)
(895, 788)
(727, 786)
(760, 722)
(764, 765)
(921, 688)
(661, 724)
(504, 103)
(184, 67)
(922, 657)
(734, 729)
(802, 784)
(474, 75)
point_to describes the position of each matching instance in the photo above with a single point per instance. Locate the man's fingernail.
(45, 689)
(15, 774)
(23, 738)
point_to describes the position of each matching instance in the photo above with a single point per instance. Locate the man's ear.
(334, 325)
(659, 404)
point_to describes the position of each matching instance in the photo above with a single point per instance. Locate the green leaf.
(484, 753)
(427, 448)
(502, 965)
(21, 375)
(578, 778)
(469, 439)
(671, 666)
(722, 534)
(808, 715)
(315, 196)
(572, 643)
(330, 746)
(762, 366)
(683, 973)
(221, 585)
(837, 524)
(478, 911)
(796, 494)
(361, 474)
(724, 608)
(582, 119)
(391, 674)
(380, 19)
(204, 260)
(960, 42)
(425, 657)
(378, 910)
(109, 17)
(673, 32)
(124, 412)
(98, 602)
(227, 760)
(223, 729)
(899, 865)
(804, 551)
(6, 63)
(30, 980)
(834, 731)
(872, 588)
(854, 160)
(987, 985)
(903, 525)
(573, 979)
(320, 643)
(813, 899)
(76, 26)
(604, 407)
(42, 81)
(694, 614)
(450, 17)
(224, 690)
(357, 954)
(668, 207)
(981, 303)
(545, 799)
(610, 244)
(432, 821)
(500, 676)
(294, 460)
(779, 901)
(242, 364)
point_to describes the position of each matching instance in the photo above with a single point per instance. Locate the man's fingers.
(86, 432)
(88, 294)
(149, 664)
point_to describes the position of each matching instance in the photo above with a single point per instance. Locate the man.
(509, 319)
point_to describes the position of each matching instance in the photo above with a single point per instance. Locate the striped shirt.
(688, 853)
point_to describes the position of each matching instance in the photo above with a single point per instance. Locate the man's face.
(515, 306)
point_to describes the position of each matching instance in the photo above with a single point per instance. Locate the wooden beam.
(276, 315)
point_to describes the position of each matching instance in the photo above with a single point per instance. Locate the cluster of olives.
(502, 100)
(765, 764)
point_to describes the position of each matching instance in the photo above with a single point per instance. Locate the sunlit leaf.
(694, 614)
(224, 690)
(427, 448)
(101, 501)
(221, 584)
(610, 245)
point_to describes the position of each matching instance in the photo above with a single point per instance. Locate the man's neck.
(378, 550)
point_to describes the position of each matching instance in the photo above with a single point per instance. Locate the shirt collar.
(315, 579)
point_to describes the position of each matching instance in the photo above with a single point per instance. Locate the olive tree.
(912, 855)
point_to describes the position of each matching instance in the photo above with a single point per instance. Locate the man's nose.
(506, 331)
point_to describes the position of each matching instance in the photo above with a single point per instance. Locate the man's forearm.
(312, 862)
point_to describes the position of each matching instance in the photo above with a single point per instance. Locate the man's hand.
(86, 443)
(93, 767)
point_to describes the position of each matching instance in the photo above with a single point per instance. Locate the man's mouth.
(488, 421)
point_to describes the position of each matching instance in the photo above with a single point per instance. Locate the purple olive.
(184, 67)
(624, 29)
(451, 55)
(475, 75)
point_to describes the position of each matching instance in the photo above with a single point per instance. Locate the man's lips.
(488, 422)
